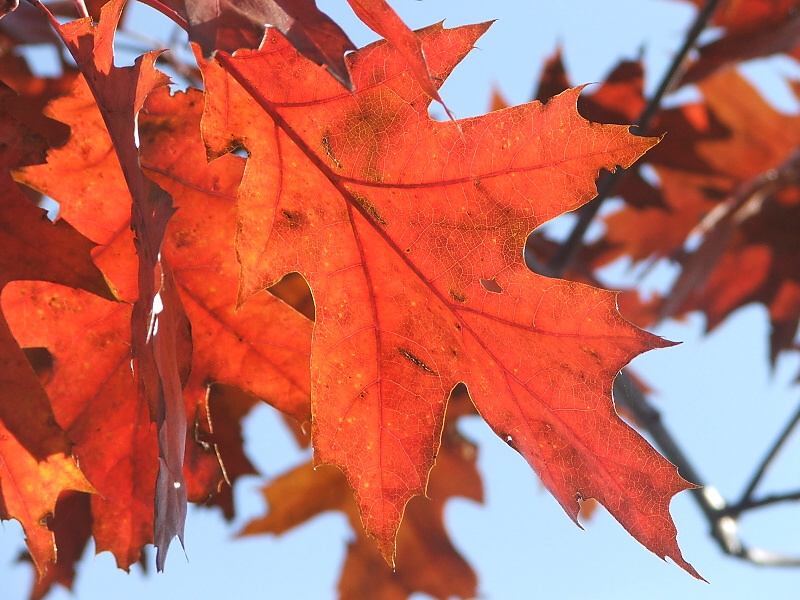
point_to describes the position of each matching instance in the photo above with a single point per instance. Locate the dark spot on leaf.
(369, 207)
(183, 238)
(293, 218)
(326, 144)
(458, 296)
(491, 285)
(415, 360)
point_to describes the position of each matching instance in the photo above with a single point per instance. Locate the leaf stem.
(81, 6)
(46, 12)
(172, 14)
(608, 182)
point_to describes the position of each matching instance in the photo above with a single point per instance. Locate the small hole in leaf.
(491, 285)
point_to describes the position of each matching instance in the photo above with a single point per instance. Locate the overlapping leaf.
(410, 233)
(36, 464)
(35, 453)
(160, 338)
(230, 26)
(427, 561)
(96, 399)
(380, 17)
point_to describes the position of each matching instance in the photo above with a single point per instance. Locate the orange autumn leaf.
(410, 233)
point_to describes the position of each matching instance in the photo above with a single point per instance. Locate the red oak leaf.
(218, 427)
(410, 233)
(749, 253)
(741, 15)
(618, 99)
(72, 527)
(735, 135)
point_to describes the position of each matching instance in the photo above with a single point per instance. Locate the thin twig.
(759, 474)
(609, 181)
(750, 504)
(168, 12)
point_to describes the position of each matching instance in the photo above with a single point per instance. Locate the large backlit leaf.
(410, 233)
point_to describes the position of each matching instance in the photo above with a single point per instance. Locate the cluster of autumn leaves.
(718, 195)
(139, 333)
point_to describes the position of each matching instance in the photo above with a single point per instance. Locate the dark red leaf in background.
(230, 25)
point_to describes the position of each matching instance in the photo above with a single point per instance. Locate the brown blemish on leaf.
(294, 218)
(369, 207)
(415, 360)
(326, 144)
(458, 296)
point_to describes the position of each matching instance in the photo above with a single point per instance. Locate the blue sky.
(715, 392)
